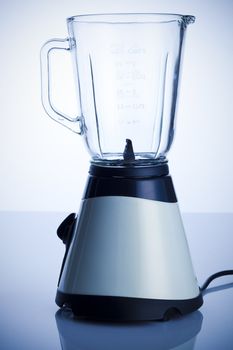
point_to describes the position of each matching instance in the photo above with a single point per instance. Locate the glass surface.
(127, 69)
(30, 259)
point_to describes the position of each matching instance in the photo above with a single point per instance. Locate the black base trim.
(131, 170)
(148, 182)
(126, 309)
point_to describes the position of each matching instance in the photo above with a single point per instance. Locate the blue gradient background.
(44, 167)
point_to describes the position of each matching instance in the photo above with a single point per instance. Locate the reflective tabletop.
(30, 260)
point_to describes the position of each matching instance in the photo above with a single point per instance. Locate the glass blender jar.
(126, 251)
(126, 69)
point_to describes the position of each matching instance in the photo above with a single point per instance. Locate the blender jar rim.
(131, 18)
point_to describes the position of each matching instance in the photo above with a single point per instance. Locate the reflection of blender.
(126, 256)
(179, 334)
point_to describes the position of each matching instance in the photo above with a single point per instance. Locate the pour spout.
(128, 151)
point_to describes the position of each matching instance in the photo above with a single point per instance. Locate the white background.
(43, 166)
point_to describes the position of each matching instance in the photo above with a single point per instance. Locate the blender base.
(127, 256)
(113, 308)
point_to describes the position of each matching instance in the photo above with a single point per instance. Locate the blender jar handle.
(73, 124)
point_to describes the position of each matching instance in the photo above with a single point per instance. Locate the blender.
(127, 256)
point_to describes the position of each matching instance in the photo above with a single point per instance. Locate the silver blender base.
(128, 258)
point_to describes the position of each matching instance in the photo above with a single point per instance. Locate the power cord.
(214, 276)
